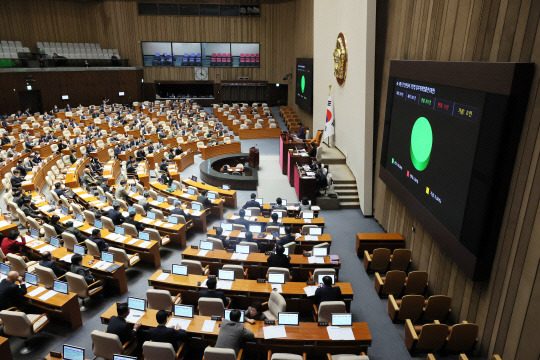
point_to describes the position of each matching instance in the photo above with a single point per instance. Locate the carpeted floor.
(341, 224)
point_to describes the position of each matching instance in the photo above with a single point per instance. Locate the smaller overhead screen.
(304, 84)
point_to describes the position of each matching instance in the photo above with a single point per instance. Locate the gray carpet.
(341, 224)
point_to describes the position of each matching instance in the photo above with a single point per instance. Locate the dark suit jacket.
(57, 227)
(9, 294)
(285, 240)
(78, 235)
(161, 333)
(216, 294)
(116, 217)
(16, 181)
(252, 203)
(58, 271)
(325, 293)
(120, 327)
(84, 272)
(176, 211)
(231, 335)
(242, 221)
(102, 245)
(138, 225)
(203, 200)
(276, 260)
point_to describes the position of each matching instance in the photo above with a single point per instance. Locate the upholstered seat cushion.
(349, 357)
(286, 356)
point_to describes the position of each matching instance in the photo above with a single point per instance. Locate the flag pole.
(329, 143)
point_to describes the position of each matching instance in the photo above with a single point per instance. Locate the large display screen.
(450, 137)
(431, 145)
(304, 84)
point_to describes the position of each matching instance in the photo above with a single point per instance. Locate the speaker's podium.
(253, 158)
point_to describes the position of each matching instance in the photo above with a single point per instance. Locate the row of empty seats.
(10, 49)
(76, 50)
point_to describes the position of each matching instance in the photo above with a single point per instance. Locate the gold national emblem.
(340, 59)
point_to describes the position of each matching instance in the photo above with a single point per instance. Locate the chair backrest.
(280, 270)
(218, 244)
(16, 323)
(432, 337)
(255, 211)
(193, 266)
(238, 227)
(238, 270)
(17, 263)
(45, 275)
(211, 307)
(253, 246)
(153, 350)
(130, 230)
(276, 303)
(323, 271)
(305, 228)
(411, 307)
(159, 299)
(291, 246)
(400, 259)
(154, 234)
(417, 282)
(69, 240)
(89, 217)
(33, 224)
(76, 208)
(107, 223)
(394, 282)
(212, 353)
(77, 284)
(139, 209)
(462, 337)
(105, 345)
(120, 256)
(380, 259)
(326, 308)
(437, 308)
(159, 214)
(92, 247)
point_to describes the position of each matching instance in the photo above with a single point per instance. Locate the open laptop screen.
(136, 303)
(73, 353)
(183, 310)
(276, 278)
(342, 319)
(288, 318)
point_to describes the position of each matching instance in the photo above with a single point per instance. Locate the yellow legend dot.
(427, 190)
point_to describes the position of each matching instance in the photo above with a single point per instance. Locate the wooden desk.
(245, 292)
(228, 195)
(308, 336)
(111, 171)
(5, 349)
(64, 307)
(294, 222)
(184, 160)
(256, 263)
(295, 159)
(301, 242)
(6, 229)
(264, 133)
(372, 241)
(208, 152)
(304, 185)
(284, 145)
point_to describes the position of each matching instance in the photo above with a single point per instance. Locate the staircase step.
(344, 182)
(345, 187)
(348, 197)
(345, 192)
(354, 205)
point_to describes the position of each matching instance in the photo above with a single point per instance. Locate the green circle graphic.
(421, 143)
(303, 83)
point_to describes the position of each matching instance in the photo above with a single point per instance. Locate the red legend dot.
(407, 173)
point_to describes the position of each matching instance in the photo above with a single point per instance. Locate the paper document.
(196, 213)
(268, 237)
(340, 333)
(132, 241)
(234, 217)
(238, 256)
(310, 290)
(155, 203)
(112, 236)
(184, 323)
(224, 284)
(158, 223)
(162, 276)
(315, 260)
(85, 195)
(227, 233)
(4, 223)
(252, 218)
(242, 235)
(134, 316)
(168, 225)
(146, 220)
(46, 248)
(208, 326)
(67, 258)
(49, 294)
(307, 221)
(311, 238)
(34, 243)
(202, 253)
(36, 291)
(273, 332)
(145, 244)
(276, 287)
(138, 197)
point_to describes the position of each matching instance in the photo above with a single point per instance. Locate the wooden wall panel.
(506, 306)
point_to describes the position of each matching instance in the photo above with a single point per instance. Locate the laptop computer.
(54, 241)
(30, 278)
(226, 187)
(172, 220)
(242, 249)
(98, 224)
(196, 207)
(144, 235)
(78, 249)
(183, 310)
(308, 215)
(255, 228)
(60, 286)
(119, 230)
(316, 231)
(288, 318)
(341, 319)
(179, 269)
(137, 307)
(320, 277)
(227, 315)
(73, 352)
(276, 278)
(107, 256)
(226, 275)
(206, 245)
(320, 251)
(226, 226)
(151, 215)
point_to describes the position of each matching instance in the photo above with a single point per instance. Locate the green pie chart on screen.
(303, 83)
(421, 143)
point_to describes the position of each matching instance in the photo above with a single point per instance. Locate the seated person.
(77, 268)
(327, 292)
(313, 165)
(119, 326)
(321, 182)
(104, 185)
(254, 313)
(279, 259)
(279, 205)
(48, 262)
(301, 134)
(313, 152)
(144, 201)
(19, 196)
(11, 243)
(73, 230)
(179, 211)
(162, 333)
(203, 199)
(211, 292)
(121, 191)
(54, 223)
(89, 179)
(10, 290)
(115, 215)
(287, 238)
(224, 239)
(274, 222)
(241, 219)
(24, 170)
(304, 204)
(16, 179)
(58, 190)
(252, 202)
(231, 332)
(166, 178)
(28, 211)
(131, 220)
(98, 240)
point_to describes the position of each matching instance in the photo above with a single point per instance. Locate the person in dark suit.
(321, 182)
(254, 313)
(179, 211)
(10, 291)
(29, 211)
(73, 230)
(252, 202)
(115, 215)
(327, 292)
(140, 155)
(48, 262)
(274, 221)
(241, 219)
(77, 268)
(232, 333)
(313, 152)
(301, 133)
(16, 179)
(279, 259)
(96, 238)
(24, 170)
(166, 178)
(119, 326)
(29, 144)
(203, 199)
(162, 333)
(5, 139)
(54, 223)
(73, 156)
(279, 205)
(287, 238)
(131, 220)
(211, 292)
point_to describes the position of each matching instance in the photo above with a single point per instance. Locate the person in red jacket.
(11, 244)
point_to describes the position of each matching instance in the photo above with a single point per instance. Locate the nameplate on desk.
(306, 254)
(269, 322)
(230, 250)
(211, 276)
(268, 253)
(261, 280)
(322, 323)
(311, 283)
(55, 354)
(217, 318)
(194, 247)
